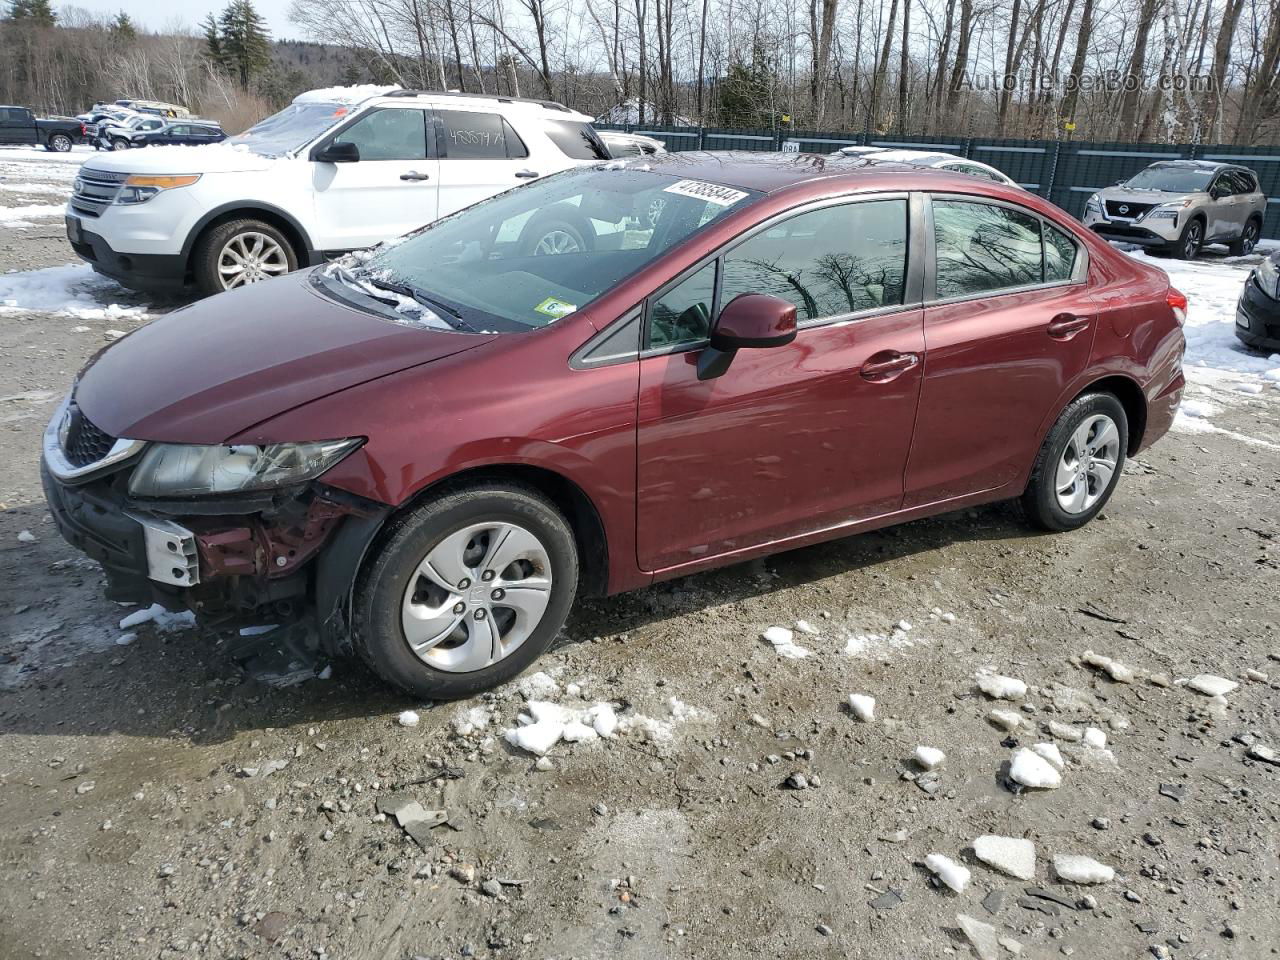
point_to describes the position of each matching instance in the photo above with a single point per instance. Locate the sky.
(156, 14)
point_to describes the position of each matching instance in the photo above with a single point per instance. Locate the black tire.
(1190, 241)
(562, 220)
(1040, 499)
(119, 143)
(1248, 238)
(59, 143)
(377, 633)
(204, 259)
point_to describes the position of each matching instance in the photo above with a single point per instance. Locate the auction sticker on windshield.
(555, 308)
(710, 192)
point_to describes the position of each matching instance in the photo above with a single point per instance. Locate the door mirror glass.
(338, 153)
(754, 320)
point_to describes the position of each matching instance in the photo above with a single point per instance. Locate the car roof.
(1198, 165)
(771, 172)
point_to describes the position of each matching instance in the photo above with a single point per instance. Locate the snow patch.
(1011, 855)
(783, 641)
(73, 291)
(1032, 770)
(863, 706)
(998, 687)
(1080, 869)
(166, 621)
(948, 871)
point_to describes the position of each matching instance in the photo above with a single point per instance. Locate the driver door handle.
(415, 175)
(888, 365)
(526, 174)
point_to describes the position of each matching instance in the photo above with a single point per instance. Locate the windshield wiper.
(413, 293)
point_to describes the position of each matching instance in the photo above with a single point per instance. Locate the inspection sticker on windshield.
(710, 192)
(555, 308)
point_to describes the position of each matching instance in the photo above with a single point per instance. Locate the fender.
(308, 256)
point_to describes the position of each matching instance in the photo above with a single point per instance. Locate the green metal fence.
(1065, 172)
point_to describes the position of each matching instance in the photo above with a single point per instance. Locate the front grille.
(1131, 210)
(83, 442)
(95, 190)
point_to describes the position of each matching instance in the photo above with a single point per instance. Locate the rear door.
(790, 439)
(391, 190)
(1008, 324)
(17, 125)
(481, 154)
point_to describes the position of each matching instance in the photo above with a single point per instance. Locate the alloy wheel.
(1250, 238)
(476, 596)
(61, 143)
(556, 242)
(1087, 463)
(1191, 245)
(250, 257)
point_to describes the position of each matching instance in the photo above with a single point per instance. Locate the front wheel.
(465, 591)
(1079, 463)
(1190, 241)
(119, 143)
(241, 252)
(60, 143)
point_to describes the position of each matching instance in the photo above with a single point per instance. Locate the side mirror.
(341, 152)
(748, 321)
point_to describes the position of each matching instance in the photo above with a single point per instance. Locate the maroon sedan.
(612, 376)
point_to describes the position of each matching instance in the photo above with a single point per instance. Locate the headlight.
(1168, 211)
(140, 189)
(188, 470)
(1267, 277)
(1093, 205)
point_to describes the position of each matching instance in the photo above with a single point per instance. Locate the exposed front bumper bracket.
(171, 551)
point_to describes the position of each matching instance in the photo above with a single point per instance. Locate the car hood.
(210, 371)
(1130, 195)
(206, 158)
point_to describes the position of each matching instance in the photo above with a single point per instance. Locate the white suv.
(336, 170)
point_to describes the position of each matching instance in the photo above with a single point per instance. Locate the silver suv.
(1180, 205)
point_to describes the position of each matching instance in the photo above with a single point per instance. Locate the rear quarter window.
(576, 140)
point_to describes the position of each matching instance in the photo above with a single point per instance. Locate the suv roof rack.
(545, 104)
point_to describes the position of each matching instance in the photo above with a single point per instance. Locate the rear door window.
(982, 248)
(828, 262)
(470, 135)
(392, 134)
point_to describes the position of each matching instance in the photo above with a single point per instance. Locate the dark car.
(186, 132)
(1258, 312)
(18, 125)
(423, 454)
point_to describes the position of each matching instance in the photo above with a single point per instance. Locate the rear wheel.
(240, 252)
(1189, 241)
(1248, 239)
(60, 143)
(1079, 463)
(465, 591)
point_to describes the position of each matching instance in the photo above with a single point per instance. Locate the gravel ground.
(155, 802)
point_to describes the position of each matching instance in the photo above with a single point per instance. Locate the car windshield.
(1171, 179)
(532, 255)
(294, 126)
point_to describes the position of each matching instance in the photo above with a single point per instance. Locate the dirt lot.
(154, 802)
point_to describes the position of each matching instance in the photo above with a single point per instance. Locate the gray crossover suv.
(1180, 205)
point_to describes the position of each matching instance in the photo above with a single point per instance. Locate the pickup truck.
(19, 125)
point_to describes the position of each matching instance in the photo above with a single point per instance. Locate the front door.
(790, 439)
(480, 155)
(16, 125)
(391, 190)
(1010, 326)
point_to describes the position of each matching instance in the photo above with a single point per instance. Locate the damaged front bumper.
(288, 558)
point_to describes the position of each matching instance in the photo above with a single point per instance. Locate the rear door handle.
(1066, 325)
(415, 175)
(526, 174)
(888, 365)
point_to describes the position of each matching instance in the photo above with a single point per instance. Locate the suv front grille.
(1131, 210)
(95, 190)
(84, 443)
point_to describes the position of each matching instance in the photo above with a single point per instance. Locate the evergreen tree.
(743, 98)
(212, 40)
(36, 13)
(244, 41)
(122, 27)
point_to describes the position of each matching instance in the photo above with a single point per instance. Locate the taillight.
(1177, 301)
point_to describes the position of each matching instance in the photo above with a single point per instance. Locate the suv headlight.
(1093, 205)
(1267, 277)
(1168, 211)
(140, 189)
(189, 470)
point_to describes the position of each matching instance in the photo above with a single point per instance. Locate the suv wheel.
(1079, 463)
(241, 252)
(119, 143)
(559, 230)
(1248, 239)
(60, 143)
(466, 591)
(1190, 241)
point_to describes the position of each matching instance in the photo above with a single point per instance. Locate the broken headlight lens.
(189, 470)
